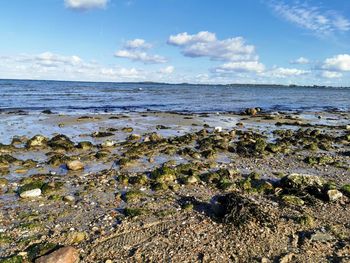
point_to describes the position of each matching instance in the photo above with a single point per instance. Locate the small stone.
(3, 182)
(348, 127)
(69, 198)
(62, 255)
(75, 165)
(108, 143)
(218, 129)
(192, 179)
(31, 193)
(334, 195)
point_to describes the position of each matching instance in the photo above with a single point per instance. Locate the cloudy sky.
(198, 41)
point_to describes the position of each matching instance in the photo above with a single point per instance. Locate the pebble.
(69, 198)
(31, 193)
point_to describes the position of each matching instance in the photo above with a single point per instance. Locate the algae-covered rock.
(164, 174)
(239, 210)
(293, 200)
(85, 145)
(346, 189)
(36, 141)
(133, 212)
(13, 259)
(133, 195)
(37, 250)
(60, 142)
(302, 181)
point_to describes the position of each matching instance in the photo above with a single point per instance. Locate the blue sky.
(197, 41)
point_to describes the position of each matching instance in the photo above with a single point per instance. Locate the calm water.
(117, 97)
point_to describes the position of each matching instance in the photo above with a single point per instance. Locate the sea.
(99, 97)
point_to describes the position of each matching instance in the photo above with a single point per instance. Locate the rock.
(191, 179)
(62, 255)
(346, 189)
(36, 141)
(108, 143)
(61, 142)
(347, 127)
(294, 200)
(102, 134)
(302, 181)
(3, 182)
(321, 237)
(47, 112)
(69, 198)
(252, 111)
(30, 193)
(153, 137)
(134, 137)
(218, 129)
(287, 258)
(127, 129)
(334, 195)
(85, 145)
(75, 165)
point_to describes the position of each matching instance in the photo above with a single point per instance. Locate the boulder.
(62, 255)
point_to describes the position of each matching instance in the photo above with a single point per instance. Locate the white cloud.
(337, 63)
(55, 66)
(185, 39)
(331, 75)
(167, 70)
(280, 72)
(300, 61)
(205, 44)
(137, 44)
(144, 57)
(85, 4)
(242, 66)
(321, 22)
(135, 50)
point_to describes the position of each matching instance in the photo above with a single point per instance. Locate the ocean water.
(80, 97)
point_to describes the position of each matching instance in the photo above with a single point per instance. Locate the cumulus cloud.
(167, 70)
(85, 4)
(331, 74)
(49, 65)
(242, 66)
(135, 50)
(337, 63)
(205, 44)
(137, 44)
(237, 55)
(313, 18)
(300, 61)
(280, 72)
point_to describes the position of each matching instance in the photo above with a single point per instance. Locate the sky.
(303, 42)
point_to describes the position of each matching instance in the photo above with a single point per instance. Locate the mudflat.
(170, 187)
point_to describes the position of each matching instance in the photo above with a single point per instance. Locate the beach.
(249, 186)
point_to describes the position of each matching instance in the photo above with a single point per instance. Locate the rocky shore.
(167, 187)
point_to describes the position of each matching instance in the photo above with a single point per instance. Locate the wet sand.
(167, 187)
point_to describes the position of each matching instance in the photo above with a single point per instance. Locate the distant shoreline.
(184, 84)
